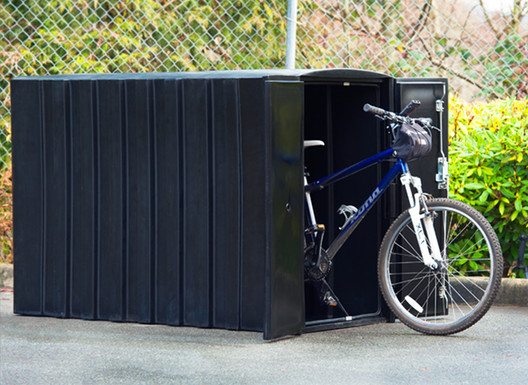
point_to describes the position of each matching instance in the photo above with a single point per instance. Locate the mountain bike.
(440, 262)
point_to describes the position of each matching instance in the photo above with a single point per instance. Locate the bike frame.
(399, 168)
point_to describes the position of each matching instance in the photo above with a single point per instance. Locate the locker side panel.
(196, 203)
(226, 186)
(139, 178)
(254, 214)
(83, 129)
(167, 107)
(111, 200)
(56, 197)
(28, 205)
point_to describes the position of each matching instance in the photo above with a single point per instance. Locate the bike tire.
(451, 298)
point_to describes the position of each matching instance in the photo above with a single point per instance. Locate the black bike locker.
(177, 198)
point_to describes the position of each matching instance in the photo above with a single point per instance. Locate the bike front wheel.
(457, 293)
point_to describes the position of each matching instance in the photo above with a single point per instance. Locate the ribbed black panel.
(83, 199)
(139, 176)
(112, 199)
(168, 205)
(55, 122)
(253, 202)
(196, 203)
(226, 207)
(28, 196)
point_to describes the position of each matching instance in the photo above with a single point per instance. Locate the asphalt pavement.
(40, 350)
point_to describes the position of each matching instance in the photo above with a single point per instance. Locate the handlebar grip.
(374, 110)
(409, 108)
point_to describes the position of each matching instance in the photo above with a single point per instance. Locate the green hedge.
(489, 166)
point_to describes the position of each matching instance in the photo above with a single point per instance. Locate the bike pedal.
(329, 299)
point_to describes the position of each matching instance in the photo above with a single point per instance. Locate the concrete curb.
(513, 292)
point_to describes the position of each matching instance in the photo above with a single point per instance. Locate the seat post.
(308, 198)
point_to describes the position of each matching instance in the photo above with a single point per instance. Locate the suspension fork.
(422, 221)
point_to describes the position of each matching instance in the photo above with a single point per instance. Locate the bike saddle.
(313, 143)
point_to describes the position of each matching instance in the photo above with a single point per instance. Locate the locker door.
(284, 288)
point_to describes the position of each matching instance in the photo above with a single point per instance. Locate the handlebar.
(409, 108)
(386, 115)
(374, 110)
(401, 118)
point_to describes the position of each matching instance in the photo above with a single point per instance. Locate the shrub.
(489, 166)
(6, 217)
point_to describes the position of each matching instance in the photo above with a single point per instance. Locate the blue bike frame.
(398, 168)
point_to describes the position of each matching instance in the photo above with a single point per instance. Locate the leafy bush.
(489, 166)
(6, 217)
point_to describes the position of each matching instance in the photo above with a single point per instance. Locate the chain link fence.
(481, 46)
(482, 49)
(41, 37)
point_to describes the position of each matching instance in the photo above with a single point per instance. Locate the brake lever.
(426, 122)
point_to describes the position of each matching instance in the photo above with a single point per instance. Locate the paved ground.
(35, 350)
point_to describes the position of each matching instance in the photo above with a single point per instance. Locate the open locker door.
(432, 93)
(284, 288)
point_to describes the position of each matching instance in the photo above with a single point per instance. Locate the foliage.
(139, 36)
(6, 217)
(42, 37)
(489, 165)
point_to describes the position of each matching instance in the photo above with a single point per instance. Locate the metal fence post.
(291, 34)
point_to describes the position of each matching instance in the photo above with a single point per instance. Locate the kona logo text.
(368, 203)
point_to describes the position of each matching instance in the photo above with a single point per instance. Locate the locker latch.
(439, 105)
(442, 177)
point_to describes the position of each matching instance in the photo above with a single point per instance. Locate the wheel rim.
(459, 289)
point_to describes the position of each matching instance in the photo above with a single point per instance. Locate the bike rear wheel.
(458, 293)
